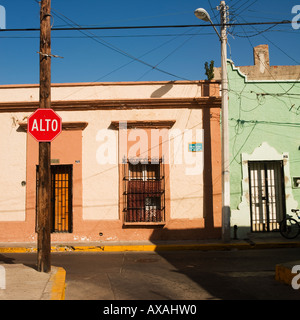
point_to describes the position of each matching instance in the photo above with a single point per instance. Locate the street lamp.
(202, 14)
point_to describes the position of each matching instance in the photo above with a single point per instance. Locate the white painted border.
(235, 68)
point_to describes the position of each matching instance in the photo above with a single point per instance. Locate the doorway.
(61, 220)
(267, 195)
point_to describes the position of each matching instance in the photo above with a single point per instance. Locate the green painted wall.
(262, 111)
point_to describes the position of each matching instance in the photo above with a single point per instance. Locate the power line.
(175, 50)
(116, 36)
(79, 28)
(276, 123)
(283, 94)
(258, 32)
(212, 9)
(250, 34)
(285, 53)
(108, 45)
(250, 5)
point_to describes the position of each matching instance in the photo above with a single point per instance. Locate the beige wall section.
(186, 183)
(13, 169)
(101, 181)
(115, 91)
(98, 209)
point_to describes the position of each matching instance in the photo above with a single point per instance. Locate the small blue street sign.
(195, 147)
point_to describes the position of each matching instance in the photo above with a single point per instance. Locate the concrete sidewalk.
(20, 282)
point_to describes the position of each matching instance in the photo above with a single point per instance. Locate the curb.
(178, 247)
(159, 247)
(284, 274)
(55, 288)
(58, 280)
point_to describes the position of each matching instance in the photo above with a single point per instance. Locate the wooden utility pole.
(44, 186)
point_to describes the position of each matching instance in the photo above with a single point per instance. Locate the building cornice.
(100, 84)
(151, 124)
(111, 104)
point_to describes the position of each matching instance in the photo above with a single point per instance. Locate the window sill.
(144, 223)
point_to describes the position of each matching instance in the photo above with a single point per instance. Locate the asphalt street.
(180, 275)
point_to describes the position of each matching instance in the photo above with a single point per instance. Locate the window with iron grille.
(144, 192)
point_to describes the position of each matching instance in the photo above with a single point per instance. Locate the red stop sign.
(44, 125)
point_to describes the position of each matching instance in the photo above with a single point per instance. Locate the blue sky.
(180, 52)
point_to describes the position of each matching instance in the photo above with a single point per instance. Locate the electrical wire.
(173, 51)
(80, 28)
(285, 53)
(112, 47)
(256, 34)
(250, 5)
(275, 80)
(114, 36)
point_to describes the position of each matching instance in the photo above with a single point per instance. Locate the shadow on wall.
(210, 226)
(207, 91)
(162, 90)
